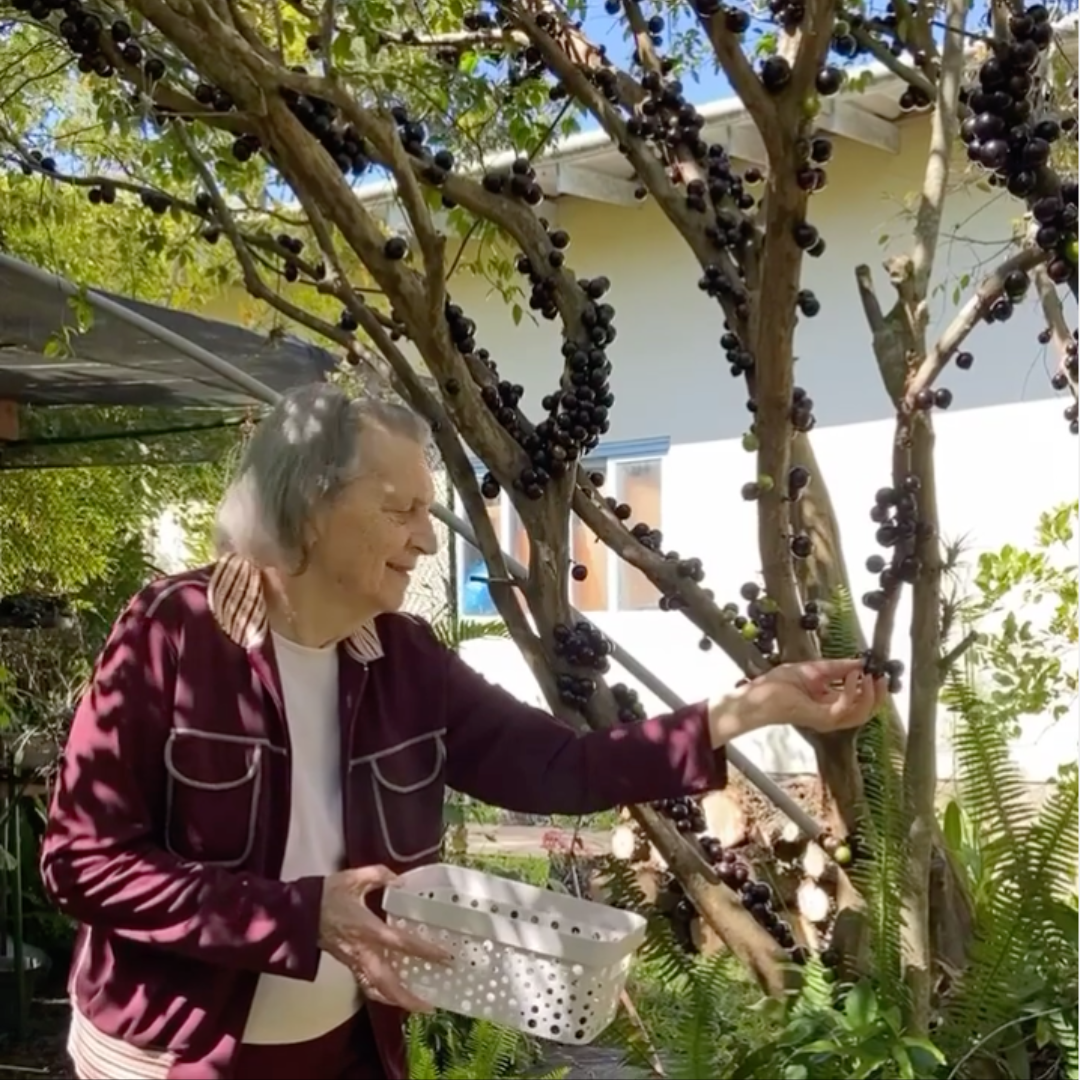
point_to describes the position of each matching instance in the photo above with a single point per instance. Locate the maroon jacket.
(169, 819)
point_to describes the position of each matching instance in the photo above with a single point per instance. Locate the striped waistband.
(97, 1056)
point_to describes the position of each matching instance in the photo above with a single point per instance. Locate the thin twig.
(456, 39)
(948, 661)
(1058, 325)
(327, 27)
(884, 56)
(968, 317)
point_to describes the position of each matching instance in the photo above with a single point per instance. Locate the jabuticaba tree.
(214, 109)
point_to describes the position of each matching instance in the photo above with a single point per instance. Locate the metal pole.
(764, 783)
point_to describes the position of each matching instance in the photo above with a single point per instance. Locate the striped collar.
(235, 596)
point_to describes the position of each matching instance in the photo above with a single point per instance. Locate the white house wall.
(1004, 455)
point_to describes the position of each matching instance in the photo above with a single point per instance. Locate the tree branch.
(719, 906)
(727, 46)
(642, 39)
(773, 393)
(382, 133)
(915, 442)
(494, 37)
(948, 661)
(253, 282)
(811, 47)
(147, 192)
(920, 759)
(1058, 325)
(650, 169)
(944, 126)
(327, 27)
(884, 56)
(967, 318)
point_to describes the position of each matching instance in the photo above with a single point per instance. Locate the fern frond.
(694, 1054)
(418, 1051)
(840, 633)
(880, 875)
(1063, 1027)
(1054, 839)
(660, 949)
(490, 1051)
(991, 786)
(1025, 934)
(816, 991)
(453, 633)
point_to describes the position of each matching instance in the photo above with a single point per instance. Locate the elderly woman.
(265, 742)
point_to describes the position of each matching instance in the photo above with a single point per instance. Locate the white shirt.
(292, 1010)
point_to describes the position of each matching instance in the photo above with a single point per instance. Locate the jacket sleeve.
(101, 860)
(509, 754)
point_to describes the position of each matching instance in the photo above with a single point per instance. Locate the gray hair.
(297, 460)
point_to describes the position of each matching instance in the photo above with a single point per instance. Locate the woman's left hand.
(822, 695)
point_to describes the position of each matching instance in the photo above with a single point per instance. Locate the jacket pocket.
(407, 787)
(212, 794)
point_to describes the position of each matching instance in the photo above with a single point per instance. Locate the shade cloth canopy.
(117, 363)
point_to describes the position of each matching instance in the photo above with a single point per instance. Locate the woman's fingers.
(846, 700)
(859, 698)
(380, 979)
(882, 687)
(824, 673)
(366, 878)
(391, 937)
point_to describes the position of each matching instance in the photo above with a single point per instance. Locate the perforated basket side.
(520, 916)
(475, 883)
(542, 996)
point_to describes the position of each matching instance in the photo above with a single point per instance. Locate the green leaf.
(1044, 1032)
(924, 1046)
(905, 1068)
(517, 313)
(893, 1018)
(860, 1006)
(342, 49)
(952, 826)
(821, 1046)
(1016, 1054)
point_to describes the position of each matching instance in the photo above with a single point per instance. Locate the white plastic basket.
(539, 961)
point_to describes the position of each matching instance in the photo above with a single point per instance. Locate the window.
(632, 475)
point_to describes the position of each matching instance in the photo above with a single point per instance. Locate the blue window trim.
(480, 605)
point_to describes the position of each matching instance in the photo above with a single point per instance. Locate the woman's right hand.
(350, 931)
